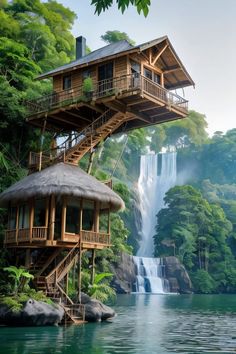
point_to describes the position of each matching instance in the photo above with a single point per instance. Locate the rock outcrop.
(124, 274)
(95, 310)
(34, 313)
(177, 276)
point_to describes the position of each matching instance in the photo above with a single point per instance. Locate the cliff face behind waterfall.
(202, 237)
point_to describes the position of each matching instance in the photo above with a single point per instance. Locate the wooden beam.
(147, 109)
(135, 102)
(31, 219)
(159, 54)
(63, 218)
(93, 266)
(64, 120)
(172, 69)
(117, 106)
(141, 116)
(52, 218)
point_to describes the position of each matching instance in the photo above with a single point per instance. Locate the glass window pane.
(72, 219)
(157, 78)
(66, 82)
(12, 218)
(40, 212)
(148, 73)
(88, 215)
(24, 217)
(58, 217)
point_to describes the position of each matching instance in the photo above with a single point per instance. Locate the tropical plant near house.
(101, 289)
(20, 278)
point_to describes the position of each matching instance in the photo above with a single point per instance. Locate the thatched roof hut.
(61, 180)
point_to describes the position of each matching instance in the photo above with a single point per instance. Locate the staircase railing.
(59, 153)
(58, 273)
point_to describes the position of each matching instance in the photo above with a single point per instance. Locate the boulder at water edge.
(95, 310)
(34, 313)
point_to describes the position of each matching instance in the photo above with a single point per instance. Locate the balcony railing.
(105, 88)
(95, 237)
(25, 235)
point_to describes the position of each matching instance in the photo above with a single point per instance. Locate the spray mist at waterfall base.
(158, 174)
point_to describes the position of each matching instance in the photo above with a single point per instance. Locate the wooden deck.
(71, 109)
(38, 237)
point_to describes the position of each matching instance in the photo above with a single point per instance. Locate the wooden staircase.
(72, 150)
(50, 282)
(89, 137)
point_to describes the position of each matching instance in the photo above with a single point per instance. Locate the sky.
(203, 33)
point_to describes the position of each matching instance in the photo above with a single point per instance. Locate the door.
(105, 78)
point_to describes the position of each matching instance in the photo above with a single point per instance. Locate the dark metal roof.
(108, 50)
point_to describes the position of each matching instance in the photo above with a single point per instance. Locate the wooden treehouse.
(129, 87)
(59, 211)
(53, 216)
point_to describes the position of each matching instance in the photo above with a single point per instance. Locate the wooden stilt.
(79, 276)
(91, 158)
(93, 265)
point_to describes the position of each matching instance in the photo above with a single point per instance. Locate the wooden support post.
(31, 219)
(96, 220)
(27, 258)
(79, 275)
(67, 283)
(93, 265)
(91, 158)
(63, 218)
(17, 223)
(109, 222)
(162, 80)
(52, 218)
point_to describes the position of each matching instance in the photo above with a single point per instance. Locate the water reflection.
(145, 324)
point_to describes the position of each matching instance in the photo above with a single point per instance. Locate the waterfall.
(157, 176)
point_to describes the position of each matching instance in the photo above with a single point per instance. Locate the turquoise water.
(147, 324)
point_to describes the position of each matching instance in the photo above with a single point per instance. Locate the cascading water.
(152, 188)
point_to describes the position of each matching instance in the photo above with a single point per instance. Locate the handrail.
(103, 88)
(56, 274)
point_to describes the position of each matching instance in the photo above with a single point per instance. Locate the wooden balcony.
(73, 109)
(25, 235)
(89, 239)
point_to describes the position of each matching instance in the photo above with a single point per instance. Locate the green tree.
(116, 36)
(141, 5)
(197, 232)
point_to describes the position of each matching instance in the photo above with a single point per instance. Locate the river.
(148, 324)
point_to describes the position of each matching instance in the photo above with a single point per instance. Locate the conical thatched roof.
(61, 179)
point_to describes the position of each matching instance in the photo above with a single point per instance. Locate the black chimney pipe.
(80, 47)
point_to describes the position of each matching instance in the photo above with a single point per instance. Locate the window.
(105, 72)
(148, 73)
(88, 215)
(24, 216)
(72, 219)
(157, 78)
(66, 82)
(40, 212)
(86, 74)
(135, 67)
(12, 218)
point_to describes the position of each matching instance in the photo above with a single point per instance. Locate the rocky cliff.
(125, 275)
